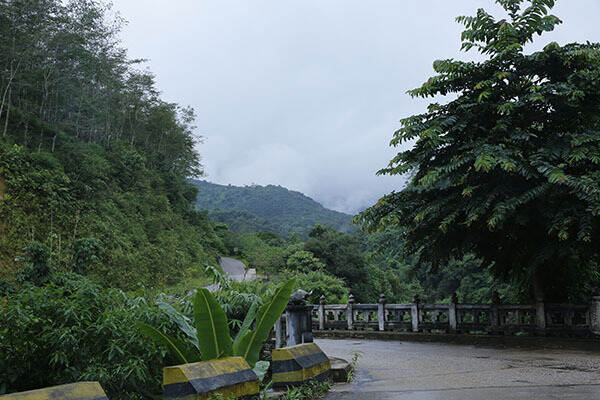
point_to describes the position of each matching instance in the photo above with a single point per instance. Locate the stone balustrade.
(542, 319)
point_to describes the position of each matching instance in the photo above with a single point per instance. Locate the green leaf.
(260, 369)
(181, 320)
(251, 341)
(211, 326)
(179, 349)
(250, 316)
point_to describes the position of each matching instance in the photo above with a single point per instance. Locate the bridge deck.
(411, 371)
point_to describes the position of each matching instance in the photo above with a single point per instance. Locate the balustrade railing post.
(350, 312)
(414, 313)
(321, 312)
(452, 313)
(381, 312)
(279, 336)
(540, 317)
(495, 313)
(595, 315)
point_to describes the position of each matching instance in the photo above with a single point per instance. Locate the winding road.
(236, 270)
(418, 371)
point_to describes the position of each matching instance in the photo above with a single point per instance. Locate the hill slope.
(92, 160)
(292, 211)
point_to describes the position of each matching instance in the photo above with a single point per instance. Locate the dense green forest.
(92, 161)
(246, 222)
(291, 211)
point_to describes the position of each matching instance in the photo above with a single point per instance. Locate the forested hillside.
(92, 161)
(291, 211)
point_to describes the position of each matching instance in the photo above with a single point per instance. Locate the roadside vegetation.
(103, 248)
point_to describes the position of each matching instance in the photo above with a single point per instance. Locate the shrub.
(72, 330)
(320, 283)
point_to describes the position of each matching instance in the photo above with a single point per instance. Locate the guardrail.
(543, 319)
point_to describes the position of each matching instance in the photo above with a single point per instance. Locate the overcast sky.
(307, 94)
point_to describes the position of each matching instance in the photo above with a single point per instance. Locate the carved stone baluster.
(350, 312)
(381, 312)
(322, 301)
(540, 318)
(414, 313)
(452, 313)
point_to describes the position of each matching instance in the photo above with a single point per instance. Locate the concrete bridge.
(396, 370)
(515, 362)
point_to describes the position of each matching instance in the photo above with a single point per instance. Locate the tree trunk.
(53, 142)
(7, 113)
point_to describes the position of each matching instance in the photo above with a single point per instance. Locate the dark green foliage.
(267, 255)
(103, 212)
(37, 264)
(86, 255)
(287, 210)
(92, 161)
(343, 258)
(72, 330)
(320, 284)
(246, 222)
(310, 390)
(304, 261)
(209, 337)
(507, 170)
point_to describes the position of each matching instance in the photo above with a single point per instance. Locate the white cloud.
(307, 94)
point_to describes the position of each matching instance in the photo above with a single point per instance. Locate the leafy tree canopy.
(508, 169)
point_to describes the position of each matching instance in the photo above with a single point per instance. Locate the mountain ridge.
(290, 210)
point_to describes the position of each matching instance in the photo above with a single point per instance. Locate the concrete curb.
(465, 339)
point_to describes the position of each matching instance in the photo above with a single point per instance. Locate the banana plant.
(209, 336)
(248, 342)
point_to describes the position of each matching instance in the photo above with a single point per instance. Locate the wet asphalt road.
(234, 268)
(418, 371)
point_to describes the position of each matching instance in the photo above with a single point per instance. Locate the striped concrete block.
(72, 391)
(299, 364)
(231, 377)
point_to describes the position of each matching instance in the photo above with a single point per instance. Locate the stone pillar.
(495, 313)
(414, 313)
(322, 301)
(279, 337)
(350, 312)
(595, 315)
(381, 312)
(540, 318)
(298, 322)
(452, 313)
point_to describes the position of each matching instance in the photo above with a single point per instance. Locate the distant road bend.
(235, 270)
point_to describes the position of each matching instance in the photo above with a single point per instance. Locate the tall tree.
(509, 169)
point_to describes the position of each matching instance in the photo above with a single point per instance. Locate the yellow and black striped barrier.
(72, 391)
(231, 377)
(296, 365)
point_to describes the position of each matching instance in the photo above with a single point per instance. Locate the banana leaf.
(183, 352)
(251, 341)
(250, 316)
(181, 320)
(212, 328)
